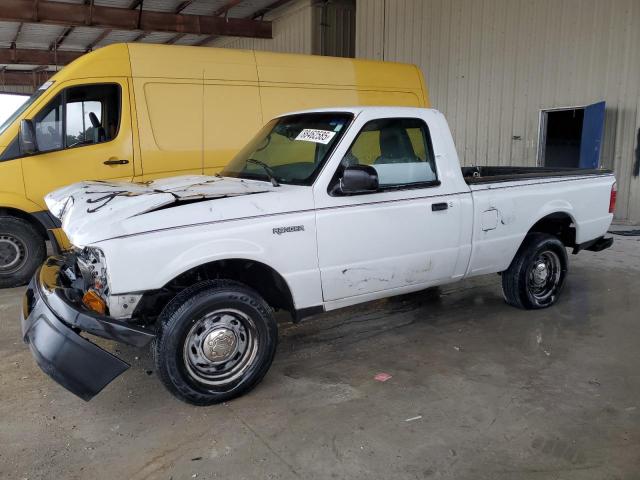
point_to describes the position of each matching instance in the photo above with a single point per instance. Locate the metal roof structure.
(38, 37)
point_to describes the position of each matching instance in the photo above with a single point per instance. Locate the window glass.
(398, 148)
(91, 115)
(292, 149)
(49, 126)
(80, 127)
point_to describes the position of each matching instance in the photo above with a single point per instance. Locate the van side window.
(398, 148)
(83, 115)
(49, 126)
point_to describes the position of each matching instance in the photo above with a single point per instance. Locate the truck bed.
(492, 174)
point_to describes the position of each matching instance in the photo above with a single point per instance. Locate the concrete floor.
(479, 390)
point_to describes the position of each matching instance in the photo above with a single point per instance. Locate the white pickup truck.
(322, 209)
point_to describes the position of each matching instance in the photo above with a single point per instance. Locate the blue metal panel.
(592, 128)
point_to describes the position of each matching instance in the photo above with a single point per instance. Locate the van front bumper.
(51, 326)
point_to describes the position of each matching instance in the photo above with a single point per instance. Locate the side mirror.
(358, 179)
(27, 137)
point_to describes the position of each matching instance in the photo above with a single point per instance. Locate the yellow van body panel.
(194, 116)
(158, 61)
(169, 126)
(335, 71)
(225, 134)
(190, 109)
(111, 61)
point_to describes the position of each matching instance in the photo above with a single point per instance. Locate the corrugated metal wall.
(292, 31)
(335, 24)
(491, 65)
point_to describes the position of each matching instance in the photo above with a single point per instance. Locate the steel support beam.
(223, 10)
(232, 3)
(20, 56)
(183, 5)
(100, 37)
(32, 79)
(174, 39)
(77, 15)
(15, 37)
(61, 38)
(272, 6)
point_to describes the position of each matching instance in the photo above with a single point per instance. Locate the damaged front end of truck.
(61, 308)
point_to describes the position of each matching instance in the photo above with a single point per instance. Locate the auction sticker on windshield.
(316, 136)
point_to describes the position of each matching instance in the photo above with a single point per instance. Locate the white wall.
(9, 104)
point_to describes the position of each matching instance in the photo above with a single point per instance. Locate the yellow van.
(140, 112)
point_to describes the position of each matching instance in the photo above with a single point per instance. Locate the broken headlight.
(93, 269)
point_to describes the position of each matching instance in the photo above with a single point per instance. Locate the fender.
(177, 251)
(173, 264)
(16, 201)
(556, 206)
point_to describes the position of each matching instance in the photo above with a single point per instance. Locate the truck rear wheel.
(536, 274)
(217, 340)
(22, 251)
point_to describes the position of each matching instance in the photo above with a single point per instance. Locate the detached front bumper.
(51, 326)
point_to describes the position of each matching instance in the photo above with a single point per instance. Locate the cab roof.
(381, 111)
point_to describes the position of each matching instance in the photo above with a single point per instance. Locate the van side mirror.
(27, 137)
(358, 179)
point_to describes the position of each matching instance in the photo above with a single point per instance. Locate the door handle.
(116, 162)
(436, 207)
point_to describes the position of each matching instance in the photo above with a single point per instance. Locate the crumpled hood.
(86, 208)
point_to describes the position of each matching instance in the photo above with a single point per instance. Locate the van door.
(83, 133)
(232, 117)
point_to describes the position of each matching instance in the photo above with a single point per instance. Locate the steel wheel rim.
(13, 253)
(220, 347)
(544, 275)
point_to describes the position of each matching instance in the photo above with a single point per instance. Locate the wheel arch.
(560, 224)
(29, 217)
(259, 276)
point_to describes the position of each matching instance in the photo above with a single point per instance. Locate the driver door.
(83, 133)
(405, 234)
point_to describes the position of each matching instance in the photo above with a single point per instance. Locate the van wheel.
(22, 251)
(217, 340)
(536, 274)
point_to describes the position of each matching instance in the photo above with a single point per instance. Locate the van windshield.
(22, 108)
(292, 149)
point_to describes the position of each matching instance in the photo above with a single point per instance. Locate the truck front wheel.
(216, 341)
(537, 272)
(22, 251)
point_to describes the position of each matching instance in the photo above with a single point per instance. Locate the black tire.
(22, 251)
(199, 324)
(537, 272)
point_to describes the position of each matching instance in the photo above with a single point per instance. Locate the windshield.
(24, 106)
(291, 149)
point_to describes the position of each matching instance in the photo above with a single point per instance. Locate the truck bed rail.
(490, 174)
